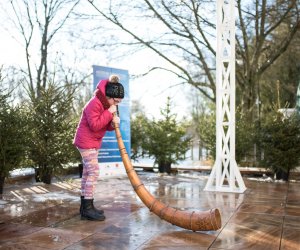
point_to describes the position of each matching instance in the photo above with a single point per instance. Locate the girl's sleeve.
(110, 127)
(97, 117)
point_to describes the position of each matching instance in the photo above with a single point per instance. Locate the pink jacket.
(94, 122)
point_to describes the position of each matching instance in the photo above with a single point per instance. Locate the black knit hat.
(114, 90)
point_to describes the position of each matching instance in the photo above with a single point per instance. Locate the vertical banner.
(109, 157)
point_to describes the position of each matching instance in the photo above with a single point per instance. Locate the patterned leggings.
(90, 172)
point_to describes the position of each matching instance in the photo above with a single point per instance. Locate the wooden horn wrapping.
(196, 221)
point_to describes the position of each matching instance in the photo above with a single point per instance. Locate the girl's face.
(114, 101)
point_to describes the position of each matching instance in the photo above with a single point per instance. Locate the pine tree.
(280, 137)
(12, 138)
(165, 139)
(51, 129)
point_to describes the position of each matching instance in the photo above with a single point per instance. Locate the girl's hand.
(115, 120)
(112, 109)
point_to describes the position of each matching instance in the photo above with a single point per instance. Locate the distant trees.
(138, 121)
(205, 119)
(265, 31)
(280, 81)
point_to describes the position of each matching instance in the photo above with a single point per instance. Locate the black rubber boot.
(98, 210)
(88, 212)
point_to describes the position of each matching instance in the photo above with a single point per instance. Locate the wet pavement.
(39, 216)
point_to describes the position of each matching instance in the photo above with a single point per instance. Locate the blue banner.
(109, 151)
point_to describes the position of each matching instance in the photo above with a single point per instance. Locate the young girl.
(97, 118)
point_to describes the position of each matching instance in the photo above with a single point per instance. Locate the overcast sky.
(151, 90)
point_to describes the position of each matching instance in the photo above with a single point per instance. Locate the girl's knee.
(92, 170)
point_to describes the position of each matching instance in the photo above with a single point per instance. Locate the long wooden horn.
(196, 221)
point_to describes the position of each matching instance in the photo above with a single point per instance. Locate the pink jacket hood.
(101, 86)
(95, 121)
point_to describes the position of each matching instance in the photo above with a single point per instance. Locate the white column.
(225, 175)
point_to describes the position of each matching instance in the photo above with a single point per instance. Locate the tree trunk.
(282, 175)
(37, 175)
(2, 179)
(164, 167)
(42, 175)
(46, 178)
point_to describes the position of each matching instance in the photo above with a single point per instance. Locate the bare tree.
(284, 74)
(180, 32)
(38, 22)
(266, 29)
(183, 34)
